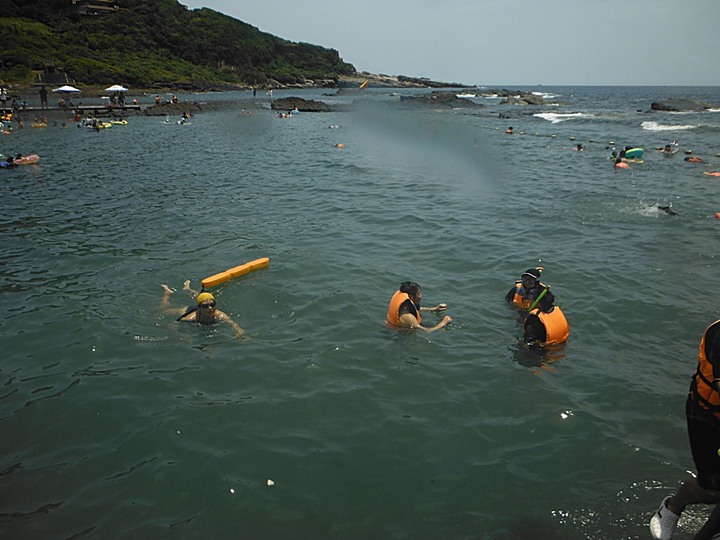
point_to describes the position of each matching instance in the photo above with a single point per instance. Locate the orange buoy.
(717, 215)
(237, 271)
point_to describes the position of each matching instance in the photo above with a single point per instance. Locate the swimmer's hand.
(440, 307)
(186, 285)
(447, 319)
(167, 289)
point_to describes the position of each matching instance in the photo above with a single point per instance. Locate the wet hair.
(409, 287)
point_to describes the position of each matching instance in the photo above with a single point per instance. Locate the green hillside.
(150, 43)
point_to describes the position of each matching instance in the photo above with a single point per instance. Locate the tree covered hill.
(150, 43)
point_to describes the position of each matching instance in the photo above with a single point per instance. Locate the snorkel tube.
(535, 303)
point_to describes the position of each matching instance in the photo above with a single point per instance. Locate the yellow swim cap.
(204, 296)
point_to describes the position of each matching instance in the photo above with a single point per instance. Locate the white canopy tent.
(66, 89)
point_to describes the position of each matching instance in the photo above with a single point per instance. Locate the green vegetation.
(153, 43)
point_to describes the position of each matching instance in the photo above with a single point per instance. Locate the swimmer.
(667, 210)
(527, 288)
(620, 164)
(204, 313)
(546, 324)
(404, 309)
(694, 159)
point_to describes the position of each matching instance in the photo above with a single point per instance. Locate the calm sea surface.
(117, 422)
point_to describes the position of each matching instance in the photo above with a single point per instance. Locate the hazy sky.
(491, 42)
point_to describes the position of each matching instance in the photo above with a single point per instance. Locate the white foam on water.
(655, 126)
(556, 118)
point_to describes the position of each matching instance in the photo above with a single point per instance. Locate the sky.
(492, 42)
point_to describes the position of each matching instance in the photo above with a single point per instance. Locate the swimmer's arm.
(408, 320)
(239, 332)
(439, 307)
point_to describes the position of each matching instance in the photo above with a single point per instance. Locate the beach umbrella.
(116, 88)
(66, 89)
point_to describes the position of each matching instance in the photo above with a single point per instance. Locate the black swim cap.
(532, 272)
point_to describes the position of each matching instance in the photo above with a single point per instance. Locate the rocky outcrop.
(173, 109)
(516, 97)
(302, 105)
(682, 105)
(392, 81)
(440, 99)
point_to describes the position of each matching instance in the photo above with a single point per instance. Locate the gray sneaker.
(663, 522)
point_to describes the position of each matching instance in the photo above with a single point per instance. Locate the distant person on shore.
(702, 412)
(204, 313)
(545, 324)
(526, 288)
(43, 98)
(404, 309)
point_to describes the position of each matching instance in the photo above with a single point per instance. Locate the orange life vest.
(393, 314)
(701, 387)
(556, 326)
(523, 302)
(519, 300)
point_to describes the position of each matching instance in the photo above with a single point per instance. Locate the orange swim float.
(237, 271)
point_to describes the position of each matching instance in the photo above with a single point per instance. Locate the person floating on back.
(404, 309)
(526, 287)
(546, 323)
(204, 313)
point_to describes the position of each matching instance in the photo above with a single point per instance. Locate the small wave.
(556, 118)
(654, 126)
(546, 95)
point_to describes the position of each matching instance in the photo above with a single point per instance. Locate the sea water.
(117, 422)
